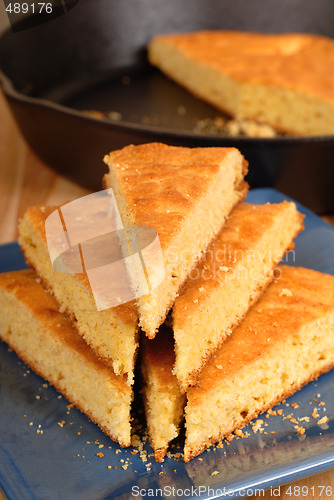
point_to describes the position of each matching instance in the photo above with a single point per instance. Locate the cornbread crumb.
(299, 429)
(100, 454)
(240, 433)
(315, 413)
(62, 423)
(257, 426)
(323, 420)
(295, 405)
(214, 473)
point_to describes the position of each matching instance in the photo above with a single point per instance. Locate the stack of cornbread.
(209, 338)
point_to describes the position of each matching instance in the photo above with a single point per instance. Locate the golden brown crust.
(26, 287)
(293, 61)
(242, 190)
(161, 183)
(312, 297)
(245, 226)
(193, 452)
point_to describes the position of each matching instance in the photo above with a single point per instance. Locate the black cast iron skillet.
(94, 58)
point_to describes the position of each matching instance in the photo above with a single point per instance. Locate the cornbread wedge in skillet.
(232, 275)
(285, 341)
(185, 194)
(45, 339)
(164, 404)
(112, 333)
(282, 80)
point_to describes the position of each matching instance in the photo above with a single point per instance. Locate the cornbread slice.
(185, 195)
(111, 333)
(46, 340)
(235, 270)
(282, 80)
(285, 341)
(164, 404)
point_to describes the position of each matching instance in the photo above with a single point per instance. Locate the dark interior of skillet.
(94, 58)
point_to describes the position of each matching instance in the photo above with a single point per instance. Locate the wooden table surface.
(26, 181)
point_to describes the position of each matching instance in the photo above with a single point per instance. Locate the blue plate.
(50, 452)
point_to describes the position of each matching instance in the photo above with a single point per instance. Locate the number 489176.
(25, 8)
(306, 491)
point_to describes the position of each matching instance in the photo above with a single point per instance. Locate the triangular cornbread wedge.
(278, 79)
(185, 195)
(111, 333)
(164, 404)
(45, 339)
(285, 341)
(232, 275)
